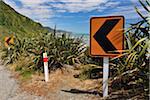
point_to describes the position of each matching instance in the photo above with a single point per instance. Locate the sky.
(74, 15)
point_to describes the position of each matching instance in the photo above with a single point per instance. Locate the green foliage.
(25, 73)
(14, 51)
(87, 72)
(13, 22)
(133, 65)
(61, 50)
(31, 40)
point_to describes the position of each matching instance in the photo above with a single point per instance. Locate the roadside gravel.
(9, 88)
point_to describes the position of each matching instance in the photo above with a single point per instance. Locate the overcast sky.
(74, 15)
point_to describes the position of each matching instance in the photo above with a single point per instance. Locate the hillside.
(13, 22)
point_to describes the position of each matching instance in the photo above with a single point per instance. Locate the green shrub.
(62, 49)
(133, 66)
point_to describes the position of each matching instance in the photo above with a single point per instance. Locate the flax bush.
(133, 66)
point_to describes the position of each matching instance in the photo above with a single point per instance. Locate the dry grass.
(58, 80)
(63, 80)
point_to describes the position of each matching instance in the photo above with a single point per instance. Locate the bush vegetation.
(133, 66)
(60, 49)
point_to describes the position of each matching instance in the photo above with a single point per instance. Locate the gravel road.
(9, 88)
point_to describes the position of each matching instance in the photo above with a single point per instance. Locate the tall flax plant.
(61, 49)
(133, 65)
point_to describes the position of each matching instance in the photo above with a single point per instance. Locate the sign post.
(105, 75)
(45, 60)
(106, 39)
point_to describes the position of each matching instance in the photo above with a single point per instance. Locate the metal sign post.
(105, 75)
(45, 60)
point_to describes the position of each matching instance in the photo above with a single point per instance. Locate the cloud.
(134, 1)
(130, 13)
(44, 10)
(40, 10)
(32, 9)
(33, 2)
(127, 11)
(11, 3)
(75, 6)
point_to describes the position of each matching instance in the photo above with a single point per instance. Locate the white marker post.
(45, 60)
(105, 75)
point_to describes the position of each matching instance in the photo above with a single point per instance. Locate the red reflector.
(45, 59)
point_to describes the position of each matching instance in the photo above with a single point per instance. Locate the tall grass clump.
(61, 49)
(133, 66)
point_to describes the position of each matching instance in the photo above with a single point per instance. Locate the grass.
(133, 66)
(89, 71)
(26, 74)
(12, 22)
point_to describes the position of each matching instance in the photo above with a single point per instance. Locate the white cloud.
(32, 2)
(42, 9)
(11, 3)
(78, 5)
(66, 5)
(32, 9)
(128, 12)
(134, 1)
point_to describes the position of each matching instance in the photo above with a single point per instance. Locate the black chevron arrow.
(101, 35)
